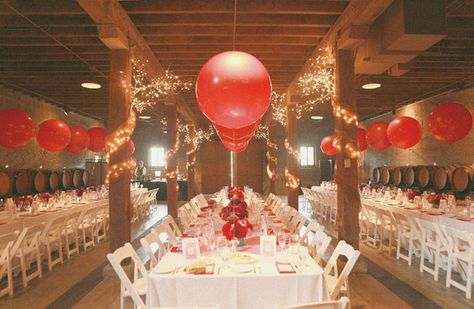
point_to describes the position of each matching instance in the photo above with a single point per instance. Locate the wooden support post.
(291, 161)
(271, 156)
(171, 158)
(191, 156)
(120, 209)
(346, 171)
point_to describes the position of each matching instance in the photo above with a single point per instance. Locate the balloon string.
(235, 24)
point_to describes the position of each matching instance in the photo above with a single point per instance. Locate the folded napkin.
(464, 218)
(285, 268)
(176, 249)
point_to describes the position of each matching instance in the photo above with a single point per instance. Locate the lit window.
(157, 157)
(306, 156)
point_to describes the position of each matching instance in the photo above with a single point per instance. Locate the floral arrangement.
(44, 197)
(375, 187)
(79, 192)
(412, 193)
(18, 200)
(237, 225)
(434, 199)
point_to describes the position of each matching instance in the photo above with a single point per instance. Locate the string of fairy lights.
(145, 92)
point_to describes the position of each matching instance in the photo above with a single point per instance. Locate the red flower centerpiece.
(412, 193)
(236, 214)
(434, 199)
(79, 192)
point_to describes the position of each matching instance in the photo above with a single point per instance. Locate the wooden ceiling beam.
(110, 11)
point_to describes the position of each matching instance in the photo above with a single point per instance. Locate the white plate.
(164, 268)
(243, 258)
(242, 268)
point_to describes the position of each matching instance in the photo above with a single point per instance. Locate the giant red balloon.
(235, 147)
(362, 139)
(327, 146)
(79, 140)
(53, 135)
(234, 140)
(404, 132)
(97, 139)
(450, 122)
(16, 128)
(132, 147)
(233, 89)
(247, 131)
(377, 136)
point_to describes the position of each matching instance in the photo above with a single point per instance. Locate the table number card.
(191, 249)
(268, 246)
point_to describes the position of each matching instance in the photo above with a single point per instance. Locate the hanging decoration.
(145, 92)
(271, 160)
(278, 108)
(79, 140)
(292, 181)
(97, 139)
(318, 85)
(16, 128)
(404, 132)
(327, 146)
(53, 135)
(377, 136)
(261, 132)
(362, 139)
(450, 122)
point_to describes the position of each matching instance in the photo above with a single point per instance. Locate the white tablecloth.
(237, 291)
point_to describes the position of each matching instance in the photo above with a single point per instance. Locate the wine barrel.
(86, 178)
(66, 179)
(408, 175)
(386, 175)
(23, 182)
(462, 178)
(41, 181)
(376, 175)
(54, 181)
(442, 176)
(424, 176)
(5, 183)
(397, 176)
(77, 178)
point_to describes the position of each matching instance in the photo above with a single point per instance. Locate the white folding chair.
(407, 233)
(388, 227)
(319, 245)
(310, 231)
(166, 237)
(51, 238)
(128, 288)
(6, 255)
(152, 245)
(334, 304)
(86, 227)
(433, 245)
(173, 225)
(29, 251)
(70, 234)
(461, 258)
(100, 223)
(336, 282)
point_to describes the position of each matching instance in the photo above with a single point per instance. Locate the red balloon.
(97, 139)
(132, 147)
(327, 146)
(235, 147)
(450, 122)
(234, 141)
(233, 89)
(79, 140)
(237, 133)
(362, 139)
(404, 132)
(53, 135)
(377, 136)
(16, 128)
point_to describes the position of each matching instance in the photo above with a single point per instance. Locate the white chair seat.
(331, 282)
(140, 286)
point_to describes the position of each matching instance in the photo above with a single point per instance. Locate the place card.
(268, 246)
(191, 249)
(285, 268)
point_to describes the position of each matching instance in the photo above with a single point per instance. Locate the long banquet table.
(264, 287)
(448, 219)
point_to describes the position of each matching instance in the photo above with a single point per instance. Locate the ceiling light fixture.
(371, 86)
(91, 85)
(144, 117)
(317, 117)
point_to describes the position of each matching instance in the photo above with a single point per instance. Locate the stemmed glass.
(282, 239)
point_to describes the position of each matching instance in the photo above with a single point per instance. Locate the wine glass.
(282, 239)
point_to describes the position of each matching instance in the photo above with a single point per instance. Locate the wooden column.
(120, 209)
(271, 156)
(346, 171)
(171, 160)
(291, 161)
(191, 156)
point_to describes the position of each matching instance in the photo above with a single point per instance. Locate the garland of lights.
(346, 113)
(145, 93)
(171, 153)
(261, 132)
(271, 159)
(278, 108)
(292, 181)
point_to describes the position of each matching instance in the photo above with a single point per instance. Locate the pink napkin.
(176, 249)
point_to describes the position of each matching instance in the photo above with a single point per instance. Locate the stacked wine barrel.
(25, 182)
(459, 179)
